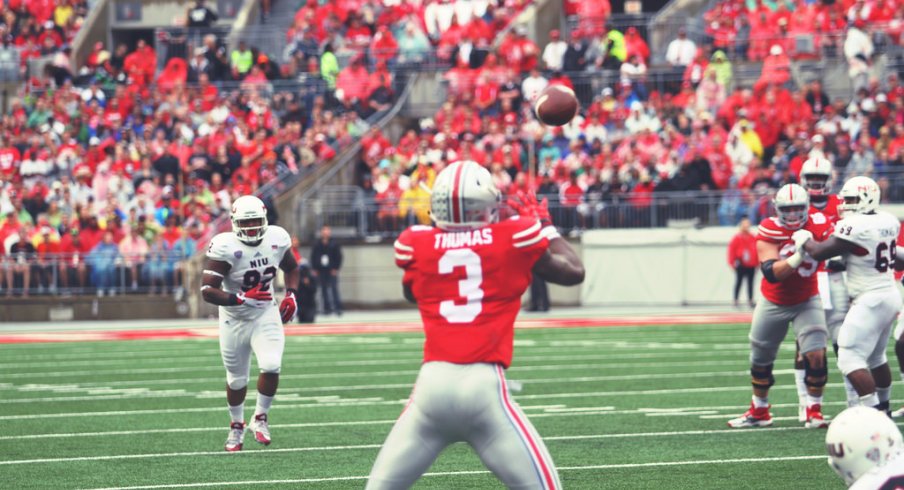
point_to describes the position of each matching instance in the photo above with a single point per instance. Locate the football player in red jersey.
(467, 275)
(790, 294)
(816, 178)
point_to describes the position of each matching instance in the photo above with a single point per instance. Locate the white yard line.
(357, 374)
(298, 360)
(374, 446)
(473, 472)
(108, 393)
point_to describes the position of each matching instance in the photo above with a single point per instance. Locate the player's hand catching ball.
(255, 297)
(288, 307)
(526, 205)
(801, 237)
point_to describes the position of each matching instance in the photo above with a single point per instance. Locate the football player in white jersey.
(866, 449)
(240, 268)
(816, 178)
(866, 238)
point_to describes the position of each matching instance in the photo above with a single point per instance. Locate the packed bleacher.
(112, 174)
(634, 140)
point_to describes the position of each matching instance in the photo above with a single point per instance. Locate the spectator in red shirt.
(742, 257)
(635, 45)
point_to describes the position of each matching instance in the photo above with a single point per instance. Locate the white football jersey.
(889, 476)
(250, 265)
(872, 266)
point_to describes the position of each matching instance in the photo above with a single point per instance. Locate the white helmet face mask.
(249, 219)
(816, 176)
(860, 195)
(792, 205)
(464, 197)
(859, 439)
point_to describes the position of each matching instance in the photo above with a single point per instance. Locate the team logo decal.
(238, 254)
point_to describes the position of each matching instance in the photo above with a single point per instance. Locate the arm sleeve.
(404, 257)
(219, 250)
(772, 234)
(530, 239)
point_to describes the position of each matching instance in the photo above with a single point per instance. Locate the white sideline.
(474, 472)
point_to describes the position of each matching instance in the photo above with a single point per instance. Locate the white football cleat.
(260, 429)
(898, 414)
(802, 412)
(236, 437)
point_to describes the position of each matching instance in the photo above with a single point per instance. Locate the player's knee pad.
(762, 353)
(849, 361)
(815, 376)
(813, 338)
(762, 377)
(236, 382)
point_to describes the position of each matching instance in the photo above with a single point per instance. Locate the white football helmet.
(249, 219)
(464, 196)
(792, 205)
(860, 195)
(859, 439)
(816, 176)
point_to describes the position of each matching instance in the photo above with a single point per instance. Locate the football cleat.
(815, 420)
(898, 414)
(260, 429)
(236, 436)
(802, 411)
(755, 417)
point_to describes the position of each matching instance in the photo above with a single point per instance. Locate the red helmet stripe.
(456, 204)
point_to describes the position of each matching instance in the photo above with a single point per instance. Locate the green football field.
(618, 407)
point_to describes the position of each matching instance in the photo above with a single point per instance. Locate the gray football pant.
(770, 326)
(463, 403)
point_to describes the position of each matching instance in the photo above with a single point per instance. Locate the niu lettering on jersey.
(801, 285)
(468, 286)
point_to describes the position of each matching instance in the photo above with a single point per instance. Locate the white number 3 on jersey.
(468, 288)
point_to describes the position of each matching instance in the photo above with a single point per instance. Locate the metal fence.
(85, 274)
(354, 215)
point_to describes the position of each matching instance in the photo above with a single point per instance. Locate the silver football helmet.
(860, 195)
(816, 176)
(859, 439)
(249, 219)
(464, 196)
(792, 205)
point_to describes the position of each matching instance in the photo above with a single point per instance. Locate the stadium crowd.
(631, 140)
(126, 164)
(111, 176)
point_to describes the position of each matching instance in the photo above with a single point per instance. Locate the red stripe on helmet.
(456, 207)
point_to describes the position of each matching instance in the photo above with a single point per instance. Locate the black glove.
(835, 265)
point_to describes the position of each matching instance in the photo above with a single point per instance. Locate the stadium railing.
(81, 274)
(353, 214)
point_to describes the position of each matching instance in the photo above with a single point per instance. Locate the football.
(556, 105)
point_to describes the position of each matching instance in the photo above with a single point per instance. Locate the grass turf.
(618, 407)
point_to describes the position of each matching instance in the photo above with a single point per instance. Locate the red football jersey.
(801, 285)
(468, 286)
(831, 213)
(830, 210)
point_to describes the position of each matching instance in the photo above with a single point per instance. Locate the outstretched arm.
(828, 248)
(290, 270)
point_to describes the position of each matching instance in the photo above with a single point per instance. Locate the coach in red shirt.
(742, 257)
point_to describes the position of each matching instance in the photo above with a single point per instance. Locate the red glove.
(527, 206)
(288, 307)
(255, 297)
